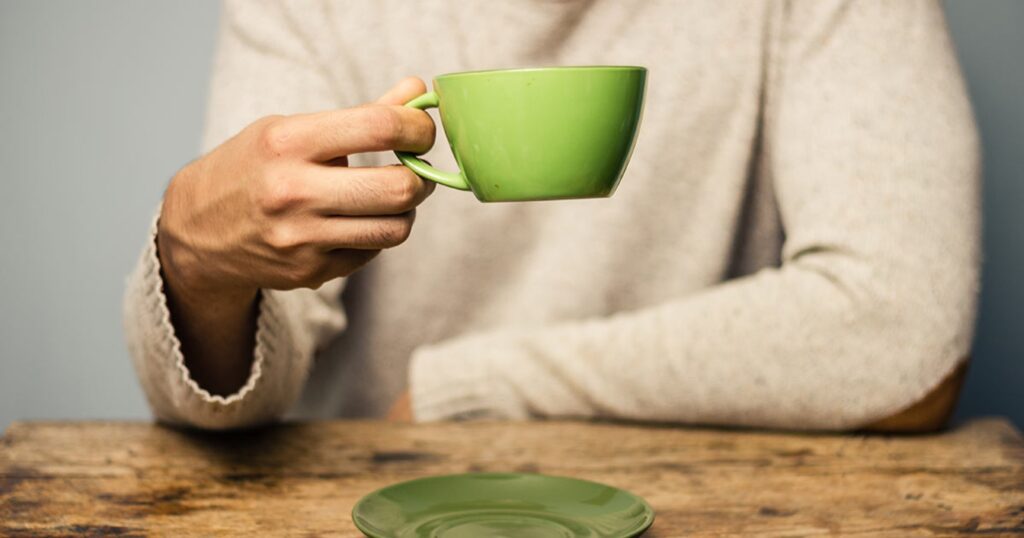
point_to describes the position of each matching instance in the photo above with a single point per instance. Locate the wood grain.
(136, 479)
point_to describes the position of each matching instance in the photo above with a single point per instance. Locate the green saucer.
(506, 505)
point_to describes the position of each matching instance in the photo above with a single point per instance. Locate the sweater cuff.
(185, 401)
(460, 380)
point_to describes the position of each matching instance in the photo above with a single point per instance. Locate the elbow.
(928, 414)
(902, 332)
(926, 341)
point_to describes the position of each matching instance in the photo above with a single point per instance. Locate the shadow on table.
(300, 450)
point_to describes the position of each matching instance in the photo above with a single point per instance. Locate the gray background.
(102, 101)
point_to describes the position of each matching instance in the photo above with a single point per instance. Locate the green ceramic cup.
(536, 134)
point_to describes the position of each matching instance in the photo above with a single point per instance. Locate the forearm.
(217, 337)
(217, 328)
(790, 348)
(268, 207)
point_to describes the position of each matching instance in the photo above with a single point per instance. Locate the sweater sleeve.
(869, 140)
(259, 69)
(291, 325)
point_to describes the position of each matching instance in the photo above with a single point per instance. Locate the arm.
(221, 314)
(269, 338)
(871, 146)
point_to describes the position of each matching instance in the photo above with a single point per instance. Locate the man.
(794, 244)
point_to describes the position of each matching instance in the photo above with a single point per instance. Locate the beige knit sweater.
(794, 244)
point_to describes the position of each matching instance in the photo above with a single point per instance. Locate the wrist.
(186, 275)
(185, 290)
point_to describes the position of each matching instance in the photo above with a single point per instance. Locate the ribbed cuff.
(461, 380)
(185, 400)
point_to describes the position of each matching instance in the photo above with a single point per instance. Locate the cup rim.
(460, 74)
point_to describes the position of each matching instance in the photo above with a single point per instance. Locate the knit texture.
(795, 242)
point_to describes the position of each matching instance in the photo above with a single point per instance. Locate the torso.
(691, 211)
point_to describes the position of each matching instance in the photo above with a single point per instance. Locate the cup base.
(540, 198)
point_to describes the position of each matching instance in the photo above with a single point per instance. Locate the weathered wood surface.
(302, 479)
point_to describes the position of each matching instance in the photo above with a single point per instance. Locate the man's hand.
(277, 206)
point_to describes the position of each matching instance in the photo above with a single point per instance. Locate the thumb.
(403, 92)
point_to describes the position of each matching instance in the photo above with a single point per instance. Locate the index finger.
(323, 136)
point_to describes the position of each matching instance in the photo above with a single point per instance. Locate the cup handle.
(454, 180)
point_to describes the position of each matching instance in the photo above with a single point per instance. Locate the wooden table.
(110, 478)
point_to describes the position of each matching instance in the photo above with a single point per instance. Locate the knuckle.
(280, 193)
(428, 133)
(405, 189)
(284, 238)
(275, 136)
(394, 232)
